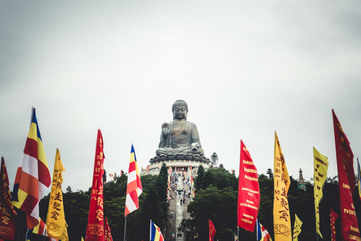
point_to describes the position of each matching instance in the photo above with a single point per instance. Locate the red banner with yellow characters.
(95, 228)
(346, 181)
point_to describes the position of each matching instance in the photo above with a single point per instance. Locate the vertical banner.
(212, 230)
(297, 228)
(358, 179)
(55, 220)
(281, 212)
(248, 191)
(320, 165)
(7, 211)
(95, 228)
(333, 218)
(107, 231)
(346, 180)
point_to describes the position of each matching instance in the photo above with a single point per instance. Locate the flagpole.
(125, 227)
(237, 233)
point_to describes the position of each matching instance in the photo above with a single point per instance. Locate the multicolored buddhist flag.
(32, 177)
(262, 233)
(7, 211)
(281, 212)
(346, 180)
(297, 228)
(134, 186)
(41, 229)
(95, 227)
(212, 230)
(55, 220)
(248, 191)
(155, 233)
(358, 178)
(333, 218)
(320, 165)
(108, 232)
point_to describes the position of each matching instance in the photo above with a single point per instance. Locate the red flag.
(95, 228)
(7, 212)
(212, 230)
(108, 232)
(248, 191)
(346, 177)
(333, 218)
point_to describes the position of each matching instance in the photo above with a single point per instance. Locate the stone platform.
(181, 174)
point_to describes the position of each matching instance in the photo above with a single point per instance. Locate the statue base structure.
(181, 191)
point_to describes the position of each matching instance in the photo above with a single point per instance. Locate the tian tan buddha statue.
(179, 139)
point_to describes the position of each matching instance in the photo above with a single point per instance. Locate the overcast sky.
(245, 69)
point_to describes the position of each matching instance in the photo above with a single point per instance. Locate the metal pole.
(125, 227)
(238, 233)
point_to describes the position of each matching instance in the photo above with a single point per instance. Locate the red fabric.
(333, 218)
(95, 227)
(248, 192)
(346, 177)
(108, 232)
(212, 230)
(7, 212)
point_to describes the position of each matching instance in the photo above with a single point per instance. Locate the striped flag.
(40, 228)
(33, 176)
(155, 233)
(262, 233)
(134, 186)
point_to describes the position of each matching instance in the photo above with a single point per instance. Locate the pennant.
(248, 191)
(333, 218)
(134, 186)
(320, 165)
(55, 220)
(107, 231)
(7, 211)
(262, 233)
(155, 233)
(95, 227)
(296, 228)
(33, 176)
(281, 213)
(358, 178)
(212, 230)
(346, 180)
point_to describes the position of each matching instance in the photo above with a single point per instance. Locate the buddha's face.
(180, 112)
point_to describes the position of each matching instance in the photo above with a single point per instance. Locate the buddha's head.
(180, 110)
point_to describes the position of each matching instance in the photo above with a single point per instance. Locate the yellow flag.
(82, 238)
(55, 220)
(296, 228)
(319, 176)
(281, 213)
